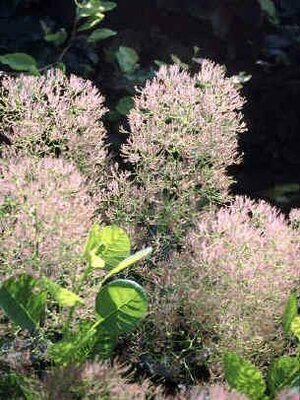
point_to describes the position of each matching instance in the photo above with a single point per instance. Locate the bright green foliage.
(295, 327)
(93, 12)
(75, 346)
(20, 62)
(111, 244)
(243, 376)
(92, 240)
(20, 303)
(282, 373)
(128, 262)
(291, 311)
(62, 296)
(121, 304)
(16, 386)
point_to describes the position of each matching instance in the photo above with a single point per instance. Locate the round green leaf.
(121, 305)
(100, 34)
(20, 62)
(127, 59)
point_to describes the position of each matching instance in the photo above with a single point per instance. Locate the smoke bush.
(232, 280)
(183, 137)
(93, 380)
(54, 115)
(45, 214)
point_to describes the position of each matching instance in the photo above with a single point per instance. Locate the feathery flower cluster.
(234, 276)
(183, 137)
(294, 217)
(45, 214)
(216, 392)
(93, 380)
(54, 115)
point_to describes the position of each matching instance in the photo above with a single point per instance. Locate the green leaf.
(93, 240)
(105, 343)
(296, 383)
(93, 7)
(20, 303)
(243, 376)
(124, 105)
(64, 297)
(121, 305)
(283, 372)
(107, 5)
(128, 262)
(127, 59)
(75, 348)
(57, 38)
(290, 312)
(91, 22)
(100, 34)
(113, 245)
(96, 262)
(268, 8)
(20, 62)
(295, 327)
(108, 245)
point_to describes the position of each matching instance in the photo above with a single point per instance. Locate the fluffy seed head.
(183, 136)
(45, 214)
(233, 278)
(54, 115)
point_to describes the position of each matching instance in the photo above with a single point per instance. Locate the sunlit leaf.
(295, 327)
(93, 239)
(282, 373)
(21, 302)
(243, 376)
(96, 261)
(113, 246)
(128, 262)
(121, 305)
(290, 312)
(91, 22)
(100, 34)
(64, 297)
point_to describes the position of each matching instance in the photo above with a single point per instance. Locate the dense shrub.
(230, 284)
(183, 136)
(45, 214)
(54, 115)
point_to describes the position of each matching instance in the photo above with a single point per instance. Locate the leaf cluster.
(119, 305)
(283, 373)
